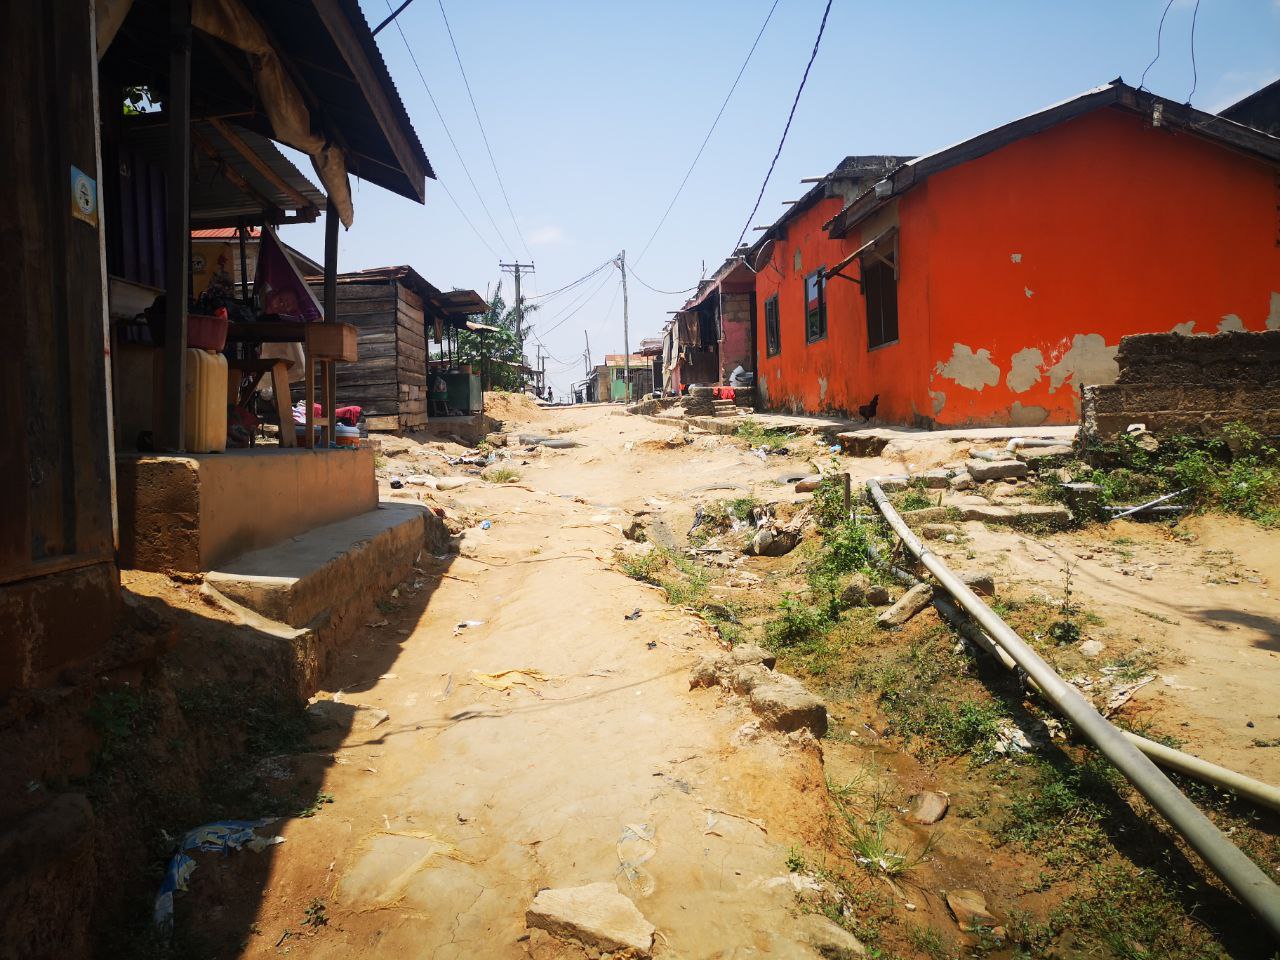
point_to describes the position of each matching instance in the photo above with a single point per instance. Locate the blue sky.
(594, 111)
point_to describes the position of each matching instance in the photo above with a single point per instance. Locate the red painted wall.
(1043, 254)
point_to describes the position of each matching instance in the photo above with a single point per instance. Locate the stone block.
(858, 444)
(596, 915)
(1016, 515)
(984, 470)
(783, 703)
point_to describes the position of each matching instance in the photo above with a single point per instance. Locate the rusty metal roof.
(226, 187)
(303, 32)
(455, 307)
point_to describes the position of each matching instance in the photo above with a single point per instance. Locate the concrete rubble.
(983, 470)
(595, 915)
(782, 702)
(831, 941)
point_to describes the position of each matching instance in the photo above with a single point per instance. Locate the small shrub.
(501, 474)
(759, 436)
(797, 623)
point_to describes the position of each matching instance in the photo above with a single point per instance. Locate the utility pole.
(515, 268)
(626, 342)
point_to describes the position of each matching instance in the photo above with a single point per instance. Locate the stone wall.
(1176, 384)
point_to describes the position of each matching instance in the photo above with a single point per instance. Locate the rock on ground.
(962, 481)
(936, 479)
(329, 714)
(833, 942)
(928, 807)
(784, 704)
(595, 915)
(908, 605)
(860, 591)
(938, 531)
(983, 470)
(862, 444)
(1015, 515)
(969, 907)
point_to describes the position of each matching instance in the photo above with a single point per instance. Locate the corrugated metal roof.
(452, 306)
(222, 80)
(217, 201)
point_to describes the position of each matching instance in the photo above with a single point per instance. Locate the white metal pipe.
(1243, 786)
(1242, 875)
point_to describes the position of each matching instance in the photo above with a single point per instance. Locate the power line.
(591, 297)
(484, 136)
(463, 213)
(426, 86)
(669, 293)
(790, 116)
(1195, 79)
(571, 284)
(1159, 33)
(707, 138)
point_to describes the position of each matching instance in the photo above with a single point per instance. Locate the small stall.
(455, 387)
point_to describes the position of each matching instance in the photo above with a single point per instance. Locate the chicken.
(868, 410)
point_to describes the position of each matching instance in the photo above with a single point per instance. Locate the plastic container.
(206, 333)
(204, 428)
(347, 436)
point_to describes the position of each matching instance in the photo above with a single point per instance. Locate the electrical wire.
(1159, 33)
(790, 116)
(483, 135)
(670, 293)
(426, 86)
(572, 313)
(569, 286)
(1195, 78)
(712, 130)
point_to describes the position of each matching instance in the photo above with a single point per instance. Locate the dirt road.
(484, 785)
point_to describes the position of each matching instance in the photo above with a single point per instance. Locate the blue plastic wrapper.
(224, 836)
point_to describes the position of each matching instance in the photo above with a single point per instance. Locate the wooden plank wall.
(389, 381)
(411, 357)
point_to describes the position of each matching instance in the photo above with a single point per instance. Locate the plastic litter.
(485, 525)
(222, 836)
(468, 624)
(397, 484)
(636, 847)
(633, 615)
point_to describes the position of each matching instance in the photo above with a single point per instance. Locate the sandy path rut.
(451, 815)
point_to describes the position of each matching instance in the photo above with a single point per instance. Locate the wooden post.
(177, 224)
(329, 432)
(244, 262)
(848, 497)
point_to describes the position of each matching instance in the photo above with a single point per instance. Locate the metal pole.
(588, 339)
(244, 262)
(626, 342)
(1254, 888)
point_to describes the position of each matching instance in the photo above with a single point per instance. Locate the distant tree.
(474, 347)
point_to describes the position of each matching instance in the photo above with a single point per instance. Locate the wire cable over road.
(705, 140)
(790, 116)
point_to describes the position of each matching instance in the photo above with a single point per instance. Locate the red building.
(985, 283)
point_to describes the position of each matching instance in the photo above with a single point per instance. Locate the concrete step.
(328, 569)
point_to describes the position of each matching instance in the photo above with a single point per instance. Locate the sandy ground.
(480, 790)
(484, 786)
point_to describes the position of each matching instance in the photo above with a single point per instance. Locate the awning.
(870, 246)
(236, 174)
(481, 327)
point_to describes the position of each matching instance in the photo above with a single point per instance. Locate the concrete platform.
(310, 578)
(192, 512)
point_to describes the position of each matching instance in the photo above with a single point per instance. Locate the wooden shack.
(395, 310)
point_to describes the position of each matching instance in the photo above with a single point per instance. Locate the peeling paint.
(1015, 258)
(822, 389)
(969, 369)
(1187, 329)
(798, 261)
(1028, 416)
(1024, 371)
(939, 401)
(1273, 318)
(762, 387)
(1029, 292)
(1231, 323)
(1089, 361)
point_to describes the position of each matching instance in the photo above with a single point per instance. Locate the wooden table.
(322, 343)
(239, 395)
